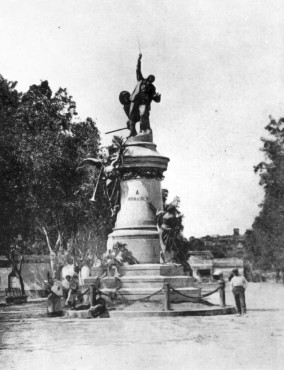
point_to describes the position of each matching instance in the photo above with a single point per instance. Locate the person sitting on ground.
(99, 305)
(239, 285)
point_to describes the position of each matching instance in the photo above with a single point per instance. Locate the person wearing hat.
(239, 285)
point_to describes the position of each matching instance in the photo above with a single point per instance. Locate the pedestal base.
(144, 244)
(142, 280)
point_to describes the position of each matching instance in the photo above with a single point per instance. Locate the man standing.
(73, 292)
(140, 101)
(239, 285)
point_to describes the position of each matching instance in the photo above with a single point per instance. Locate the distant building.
(226, 246)
(220, 252)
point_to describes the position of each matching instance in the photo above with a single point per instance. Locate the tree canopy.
(42, 142)
(265, 242)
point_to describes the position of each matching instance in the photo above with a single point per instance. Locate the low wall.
(202, 261)
(228, 264)
(34, 272)
(4, 272)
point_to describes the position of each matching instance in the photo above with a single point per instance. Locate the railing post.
(92, 294)
(222, 293)
(167, 296)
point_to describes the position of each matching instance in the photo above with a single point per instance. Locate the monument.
(140, 171)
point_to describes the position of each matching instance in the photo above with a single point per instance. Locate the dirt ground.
(214, 342)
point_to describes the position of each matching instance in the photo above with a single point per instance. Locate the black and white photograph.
(142, 184)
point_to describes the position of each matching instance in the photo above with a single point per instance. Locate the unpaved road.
(218, 342)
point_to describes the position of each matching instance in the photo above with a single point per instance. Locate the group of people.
(56, 290)
(68, 291)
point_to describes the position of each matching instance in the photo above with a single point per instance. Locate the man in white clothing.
(239, 285)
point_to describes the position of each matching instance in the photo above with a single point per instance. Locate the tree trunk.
(17, 271)
(22, 284)
(9, 280)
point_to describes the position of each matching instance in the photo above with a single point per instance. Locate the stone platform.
(114, 314)
(142, 280)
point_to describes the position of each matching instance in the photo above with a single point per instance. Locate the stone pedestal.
(141, 196)
(141, 193)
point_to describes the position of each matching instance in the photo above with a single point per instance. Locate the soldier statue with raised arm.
(137, 106)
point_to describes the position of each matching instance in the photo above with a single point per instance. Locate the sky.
(218, 66)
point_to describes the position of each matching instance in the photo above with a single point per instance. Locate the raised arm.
(138, 69)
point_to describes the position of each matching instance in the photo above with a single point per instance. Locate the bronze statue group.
(137, 105)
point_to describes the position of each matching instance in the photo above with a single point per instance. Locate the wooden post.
(222, 293)
(167, 297)
(92, 294)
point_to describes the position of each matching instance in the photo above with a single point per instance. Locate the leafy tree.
(265, 242)
(41, 144)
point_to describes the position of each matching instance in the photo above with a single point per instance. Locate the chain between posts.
(113, 296)
(208, 294)
(85, 292)
(139, 299)
(188, 296)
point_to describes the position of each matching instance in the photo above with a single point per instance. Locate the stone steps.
(156, 281)
(141, 280)
(148, 281)
(145, 269)
(140, 293)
